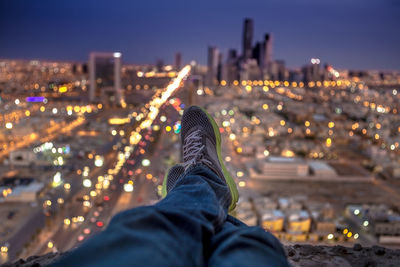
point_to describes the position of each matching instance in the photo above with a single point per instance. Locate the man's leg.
(240, 245)
(170, 233)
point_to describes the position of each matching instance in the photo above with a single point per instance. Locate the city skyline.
(339, 33)
(106, 107)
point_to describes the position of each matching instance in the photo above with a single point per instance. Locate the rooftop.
(298, 255)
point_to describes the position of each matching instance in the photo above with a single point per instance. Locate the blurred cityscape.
(314, 150)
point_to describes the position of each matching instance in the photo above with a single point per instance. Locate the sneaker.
(171, 178)
(201, 143)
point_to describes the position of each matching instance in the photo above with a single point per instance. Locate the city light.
(328, 142)
(38, 99)
(119, 121)
(313, 148)
(349, 234)
(4, 249)
(128, 187)
(87, 183)
(287, 153)
(57, 179)
(9, 125)
(146, 162)
(99, 161)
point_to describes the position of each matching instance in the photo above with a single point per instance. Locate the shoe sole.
(228, 178)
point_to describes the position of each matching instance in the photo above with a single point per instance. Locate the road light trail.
(33, 137)
(156, 103)
(153, 107)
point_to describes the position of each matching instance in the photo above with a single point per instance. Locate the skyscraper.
(258, 53)
(105, 77)
(232, 68)
(178, 61)
(220, 69)
(311, 72)
(247, 38)
(212, 64)
(267, 53)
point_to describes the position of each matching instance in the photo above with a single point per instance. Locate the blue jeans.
(190, 227)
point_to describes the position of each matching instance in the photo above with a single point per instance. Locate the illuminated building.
(312, 71)
(105, 77)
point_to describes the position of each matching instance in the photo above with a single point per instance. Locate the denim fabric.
(190, 227)
(240, 245)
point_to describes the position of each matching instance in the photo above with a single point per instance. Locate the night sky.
(358, 34)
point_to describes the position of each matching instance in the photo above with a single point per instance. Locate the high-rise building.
(258, 53)
(178, 61)
(262, 52)
(232, 67)
(249, 70)
(266, 53)
(283, 75)
(220, 69)
(312, 71)
(160, 64)
(316, 69)
(212, 64)
(247, 38)
(105, 77)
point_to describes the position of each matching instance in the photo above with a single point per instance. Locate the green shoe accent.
(171, 178)
(164, 186)
(228, 178)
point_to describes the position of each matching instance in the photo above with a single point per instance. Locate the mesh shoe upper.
(199, 141)
(194, 116)
(173, 175)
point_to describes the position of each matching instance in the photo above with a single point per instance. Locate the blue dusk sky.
(355, 34)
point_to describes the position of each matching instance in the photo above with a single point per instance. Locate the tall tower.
(178, 61)
(232, 70)
(212, 64)
(267, 53)
(220, 68)
(247, 38)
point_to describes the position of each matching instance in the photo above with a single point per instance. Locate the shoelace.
(192, 150)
